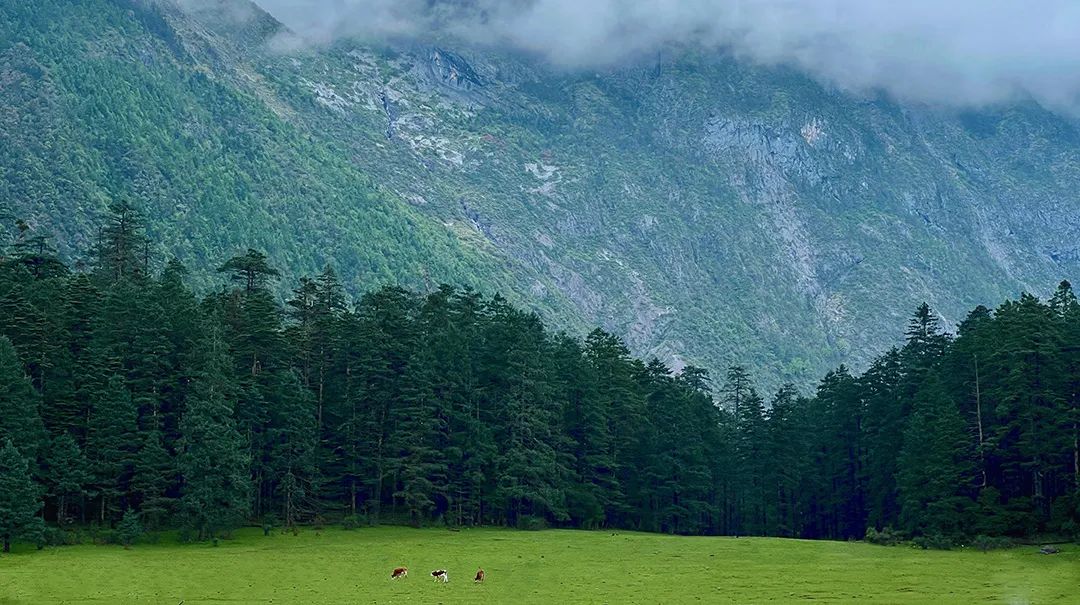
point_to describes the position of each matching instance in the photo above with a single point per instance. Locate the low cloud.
(957, 52)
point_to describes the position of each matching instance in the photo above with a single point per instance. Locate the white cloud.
(965, 52)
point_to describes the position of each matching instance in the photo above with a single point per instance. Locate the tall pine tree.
(213, 459)
(19, 496)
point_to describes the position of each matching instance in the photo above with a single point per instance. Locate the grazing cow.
(400, 572)
(479, 576)
(440, 575)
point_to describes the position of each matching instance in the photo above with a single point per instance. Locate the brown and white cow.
(400, 572)
(440, 575)
(479, 576)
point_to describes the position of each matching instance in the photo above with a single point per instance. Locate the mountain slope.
(107, 100)
(708, 211)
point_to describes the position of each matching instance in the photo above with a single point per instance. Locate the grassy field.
(336, 566)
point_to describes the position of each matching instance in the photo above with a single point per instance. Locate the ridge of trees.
(125, 399)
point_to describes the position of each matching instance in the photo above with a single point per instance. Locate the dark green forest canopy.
(127, 400)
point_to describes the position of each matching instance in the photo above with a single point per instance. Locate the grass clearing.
(336, 566)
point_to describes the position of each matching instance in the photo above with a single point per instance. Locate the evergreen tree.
(181, 332)
(750, 448)
(625, 409)
(129, 529)
(255, 332)
(420, 465)
(129, 332)
(840, 443)
(20, 420)
(965, 379)
(87, 359)
(66, 474)
(530, 469)
(454, 320)
(736, 389)
(387, 328)
(787, 445)
(935, 471)
(251, 270)
(677, 461)
(596, 489)
(345, 439)
(697, 428)
(886, 418)
(123, 249)
(317, 340)
(19, 499)
(422, 422)
(1031, 410)
(213, 459)
(252, 413)
(292, 437)
(111, 446)
(154, 479)
(1065, 305)
(36, 255)
(926, 341)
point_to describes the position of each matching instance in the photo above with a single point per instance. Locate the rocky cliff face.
(707, 211)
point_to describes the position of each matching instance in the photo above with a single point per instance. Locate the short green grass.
(335, 566)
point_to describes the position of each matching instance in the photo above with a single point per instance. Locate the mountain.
(706, 210)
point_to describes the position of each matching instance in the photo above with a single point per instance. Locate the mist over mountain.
(762, 183)
(920, 51)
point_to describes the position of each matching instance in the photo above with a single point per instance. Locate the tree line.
(124, 395)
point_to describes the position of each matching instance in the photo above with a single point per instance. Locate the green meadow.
(336, 566)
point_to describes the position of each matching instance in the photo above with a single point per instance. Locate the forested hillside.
(707, 211)
(105, 100)
(128, 401)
